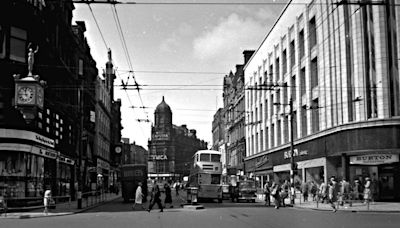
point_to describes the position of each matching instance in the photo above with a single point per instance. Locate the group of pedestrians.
(330, 192)
(278, 192)
(155, 197)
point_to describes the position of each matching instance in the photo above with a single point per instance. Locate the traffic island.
(192, 206)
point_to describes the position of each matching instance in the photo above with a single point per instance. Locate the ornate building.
(171, 147)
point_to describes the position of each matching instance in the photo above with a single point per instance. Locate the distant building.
(171, 147)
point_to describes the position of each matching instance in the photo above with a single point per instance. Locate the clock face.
(25, 94)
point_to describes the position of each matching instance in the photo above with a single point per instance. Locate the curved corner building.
(339, 64)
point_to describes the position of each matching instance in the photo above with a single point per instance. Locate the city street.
(117, 214)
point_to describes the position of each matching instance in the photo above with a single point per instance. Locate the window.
(17, 44)
(215, 158)
(304, 121)
(292, 54)
(314, 72)
(315, 115)
(284, 62)
(205, 157)
(313, 32)
(2, 42)
(301, 43)
(303, 81)
(293, 86)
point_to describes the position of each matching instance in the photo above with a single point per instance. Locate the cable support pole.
(292, 167)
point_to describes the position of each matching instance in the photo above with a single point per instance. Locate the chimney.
(247, 55)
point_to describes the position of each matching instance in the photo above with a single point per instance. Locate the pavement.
(69, 208)
(66, 208)
(355, 206)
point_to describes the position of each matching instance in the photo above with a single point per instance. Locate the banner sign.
(374, 159)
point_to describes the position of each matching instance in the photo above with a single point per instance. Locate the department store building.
(339, 64)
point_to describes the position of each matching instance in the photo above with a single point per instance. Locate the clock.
(25, 94)
(118, 149)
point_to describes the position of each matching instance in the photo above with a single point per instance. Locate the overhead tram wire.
(98, 27)
(113, 2)
(128, 58)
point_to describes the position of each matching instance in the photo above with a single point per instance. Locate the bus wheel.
(219, 200)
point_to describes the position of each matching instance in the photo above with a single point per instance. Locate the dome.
(163, 107)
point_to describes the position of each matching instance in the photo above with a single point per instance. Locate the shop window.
(17, 44)
(2, 42)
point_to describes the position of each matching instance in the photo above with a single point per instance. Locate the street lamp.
(292, 166)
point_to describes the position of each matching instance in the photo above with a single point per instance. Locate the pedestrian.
(168, 196)
(267, 193)
(139, 197)
(323, 192)
(332, 194)
(46, 201)
(177, 187)
(304, 190)
(284, 193)
(356, 190)
(367, 190)
(313, 190)
(156, 198)
(275, 192)
(344, 191)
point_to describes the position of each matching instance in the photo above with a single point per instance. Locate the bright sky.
(179, 51)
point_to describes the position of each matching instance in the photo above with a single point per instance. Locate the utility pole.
(292, 191)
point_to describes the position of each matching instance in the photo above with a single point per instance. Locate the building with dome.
(171, 147)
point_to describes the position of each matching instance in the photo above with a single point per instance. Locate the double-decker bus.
(205, 174)
(131, 175)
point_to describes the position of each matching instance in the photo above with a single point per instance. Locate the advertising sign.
(374, 159)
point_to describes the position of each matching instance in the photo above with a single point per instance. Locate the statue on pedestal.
(31, 58)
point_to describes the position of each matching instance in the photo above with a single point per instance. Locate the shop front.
(382, 168)
(103, 172)
(28, 166)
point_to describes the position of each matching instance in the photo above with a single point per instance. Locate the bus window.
(205, 157)
(215, 178)
(215, 158)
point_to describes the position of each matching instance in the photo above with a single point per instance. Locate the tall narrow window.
(272, 135)
(279, 133)
(266, 110)
(303, 82)
(304, 121)
(277, 72)
(294, 127)
(312, 32)
(314, 73)
(266, 138)
(284, 62)
(261, 140)
(301, 43)
(315, 115)
(293, 88)
(17, 44)
(292, 54)
(2, 42)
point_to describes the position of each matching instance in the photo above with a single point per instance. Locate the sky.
(179, 51)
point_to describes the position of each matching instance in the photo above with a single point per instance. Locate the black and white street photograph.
(199, 113)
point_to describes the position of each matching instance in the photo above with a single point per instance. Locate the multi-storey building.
(339, 65)
(235, 118)
(39, 144)
(103, 143)
(171, 147)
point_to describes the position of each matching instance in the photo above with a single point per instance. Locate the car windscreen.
(247, 185)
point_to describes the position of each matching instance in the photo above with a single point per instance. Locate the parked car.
(245, 191)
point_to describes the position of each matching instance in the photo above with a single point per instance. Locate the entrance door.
(386, 183)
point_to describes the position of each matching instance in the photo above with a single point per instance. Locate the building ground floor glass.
(351, 152)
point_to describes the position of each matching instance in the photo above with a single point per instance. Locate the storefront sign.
(103, 164)
(374, 159)
(158, 157)
(28, 135)
(261, 161)
(65, 160)
(296, 153)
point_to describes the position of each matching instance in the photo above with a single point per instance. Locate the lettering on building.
(158, 157)
(296, 153)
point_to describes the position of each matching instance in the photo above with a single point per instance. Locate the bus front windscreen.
(215, 158)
